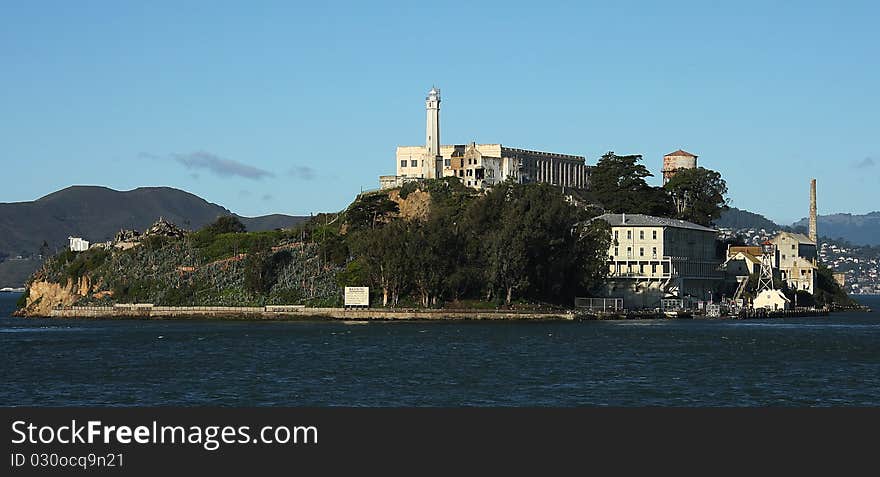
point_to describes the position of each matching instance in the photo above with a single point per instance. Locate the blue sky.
(292, 108)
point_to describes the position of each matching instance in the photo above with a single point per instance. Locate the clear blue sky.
(279, 107)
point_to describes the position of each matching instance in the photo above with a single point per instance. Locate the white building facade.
(656, 258)
(797, 260)
(77, 244)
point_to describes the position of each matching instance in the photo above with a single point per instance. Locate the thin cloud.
(864, 163)
(202, 160)
(148, 156)
(268, 197)
(305, 173)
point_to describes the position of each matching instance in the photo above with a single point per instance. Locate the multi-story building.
(655, 258)
(481, 165)
(797, 260)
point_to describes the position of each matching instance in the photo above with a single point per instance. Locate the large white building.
(481, 165)
(797, 260)
(655, 258)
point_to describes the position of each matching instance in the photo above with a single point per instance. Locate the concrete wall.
(160, 312)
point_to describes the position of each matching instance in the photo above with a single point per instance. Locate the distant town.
(857, 267)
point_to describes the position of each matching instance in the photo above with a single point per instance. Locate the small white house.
(77, 244)
(772, 300)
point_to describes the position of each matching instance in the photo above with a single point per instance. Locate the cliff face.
(416, 205)
(43, 296)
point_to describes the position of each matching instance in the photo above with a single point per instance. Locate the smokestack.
(813, 232)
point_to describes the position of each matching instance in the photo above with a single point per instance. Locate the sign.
(357, 296)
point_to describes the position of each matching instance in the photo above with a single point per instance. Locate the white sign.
(357, 296)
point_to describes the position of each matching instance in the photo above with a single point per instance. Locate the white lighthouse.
(433, 160)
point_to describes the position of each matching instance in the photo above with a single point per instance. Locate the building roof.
(641, 220)
(745, 256)
(680, 152)
(799, 238)
(752, 250)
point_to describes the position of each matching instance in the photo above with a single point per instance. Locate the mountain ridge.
(96, 213)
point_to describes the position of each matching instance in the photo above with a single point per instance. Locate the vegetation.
(828, 292)
(516, 241)
(618, 183)
(227, 224)
(697, 195)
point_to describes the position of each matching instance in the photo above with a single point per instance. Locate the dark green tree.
(369, 210)
(618, 183)
(227, 224)
(698, 195)
(386, 255)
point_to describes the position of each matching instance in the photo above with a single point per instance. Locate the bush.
(227, 224)
(22, 300)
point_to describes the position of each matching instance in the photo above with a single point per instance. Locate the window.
(629, 252)
(653, 268)
(629, 234)
(653, 252)
(641, 251)
(403, 163)
(446, 162)
(615, 235)
(414, 163)
(641, 235)
(654, 233)
(792, 246)
(616, 253)
(783, 256)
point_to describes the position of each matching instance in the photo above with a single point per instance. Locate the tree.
(618, 183)
(227, 224)
(386, 255)
(698, 195)
(539, 246)
(368, 210)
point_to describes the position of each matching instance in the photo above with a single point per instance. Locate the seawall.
(300, 313)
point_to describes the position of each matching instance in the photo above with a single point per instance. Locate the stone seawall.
(300, 313)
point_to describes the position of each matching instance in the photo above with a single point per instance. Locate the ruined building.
(481, 165)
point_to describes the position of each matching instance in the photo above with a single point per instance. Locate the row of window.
(629, 252)
(641, 269)
(629, 235)
(412, 163)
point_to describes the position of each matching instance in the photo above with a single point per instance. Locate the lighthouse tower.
(433, 160)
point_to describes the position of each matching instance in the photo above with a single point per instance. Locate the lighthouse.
(433, 160)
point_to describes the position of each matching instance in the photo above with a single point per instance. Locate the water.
(816, 361)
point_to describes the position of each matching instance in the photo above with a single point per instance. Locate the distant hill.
(856, 229)
(734, 218)
(97, 213)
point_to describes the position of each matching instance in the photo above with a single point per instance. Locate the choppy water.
(817, 361)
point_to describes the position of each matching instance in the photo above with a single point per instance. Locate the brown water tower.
(674, 161)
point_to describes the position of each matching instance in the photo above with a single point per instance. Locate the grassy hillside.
(97, 213)
(206, 269)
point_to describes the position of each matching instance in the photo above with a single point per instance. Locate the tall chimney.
(813, 233)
